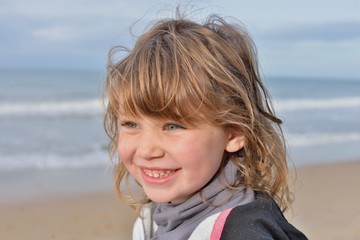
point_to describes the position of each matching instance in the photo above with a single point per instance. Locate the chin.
(160, 200)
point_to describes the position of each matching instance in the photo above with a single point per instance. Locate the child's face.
(172, 161)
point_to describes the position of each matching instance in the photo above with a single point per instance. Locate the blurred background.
(54, 53)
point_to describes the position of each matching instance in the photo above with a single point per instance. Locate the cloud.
(325, 32)
(70, 9)
(55, 33)
(79, 33)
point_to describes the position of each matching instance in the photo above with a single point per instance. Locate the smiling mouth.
(158, 173)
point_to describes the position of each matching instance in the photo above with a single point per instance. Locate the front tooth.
(157, 174)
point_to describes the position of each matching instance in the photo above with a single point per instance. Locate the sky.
(308, 38)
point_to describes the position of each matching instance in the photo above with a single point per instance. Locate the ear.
(235, 143)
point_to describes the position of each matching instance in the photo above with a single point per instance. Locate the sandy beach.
(74, 204)
(327, 201)
(80, 204)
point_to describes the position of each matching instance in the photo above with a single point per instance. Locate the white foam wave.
(49, 108)
(52, 161)
(308, 104)
(306, 140)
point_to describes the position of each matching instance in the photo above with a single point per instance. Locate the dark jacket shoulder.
(259, 220)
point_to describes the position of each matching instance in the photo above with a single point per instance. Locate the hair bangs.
(160, 81)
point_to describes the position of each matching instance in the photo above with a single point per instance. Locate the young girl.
(192, 124)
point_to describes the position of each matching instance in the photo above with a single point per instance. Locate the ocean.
(53, 119)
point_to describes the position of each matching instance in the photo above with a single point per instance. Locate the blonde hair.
(192, 72)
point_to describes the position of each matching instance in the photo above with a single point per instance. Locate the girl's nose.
(149, 146)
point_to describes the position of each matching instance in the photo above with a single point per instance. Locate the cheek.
(201, 155)
(126, 156)
(124, 151)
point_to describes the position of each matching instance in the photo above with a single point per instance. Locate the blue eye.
(173, 126)
(129, 125)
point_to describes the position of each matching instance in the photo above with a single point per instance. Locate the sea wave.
(93, 106)
(314, 139)
(43, 161)
(310, 104)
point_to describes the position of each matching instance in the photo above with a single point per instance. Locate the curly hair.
(193, 72)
